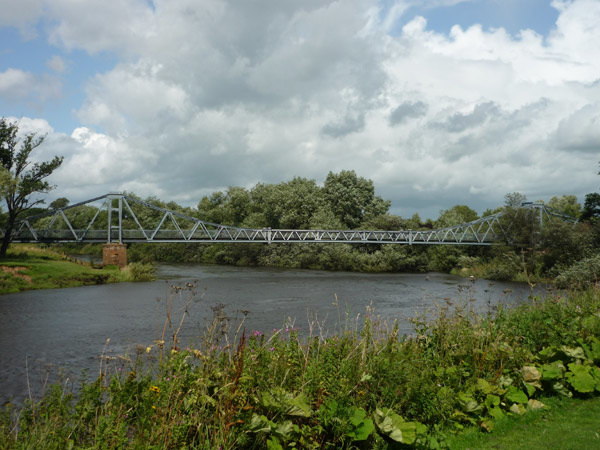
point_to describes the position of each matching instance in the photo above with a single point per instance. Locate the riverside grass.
(29, 267)
(363, 387)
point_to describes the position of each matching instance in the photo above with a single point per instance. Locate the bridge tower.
(114, 251)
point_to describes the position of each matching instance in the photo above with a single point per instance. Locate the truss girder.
(174, 226)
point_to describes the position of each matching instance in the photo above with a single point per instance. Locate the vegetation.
(566, 423)
(363, 387)
(20, 179)
(530, 252)
(32, 267)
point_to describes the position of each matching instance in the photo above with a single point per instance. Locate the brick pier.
(114, 254)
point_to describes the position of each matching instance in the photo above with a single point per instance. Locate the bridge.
(118, 219)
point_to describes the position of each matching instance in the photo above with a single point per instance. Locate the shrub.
(581, 274)
(137, 271)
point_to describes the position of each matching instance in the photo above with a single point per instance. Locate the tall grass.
(362, 387)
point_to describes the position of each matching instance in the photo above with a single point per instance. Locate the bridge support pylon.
(114, 254)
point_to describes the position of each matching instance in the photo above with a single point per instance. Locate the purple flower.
(257, 333)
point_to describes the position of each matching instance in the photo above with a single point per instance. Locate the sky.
(439, 102)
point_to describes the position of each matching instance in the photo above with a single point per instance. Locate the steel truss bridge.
(119, 218)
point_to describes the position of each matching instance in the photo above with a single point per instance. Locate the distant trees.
(566, 204)
(21, 179)
(455, 216)
(352, 198)
(345, 201)
(591, 208)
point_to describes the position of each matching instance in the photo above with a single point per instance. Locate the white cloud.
(16, 85)
(22, 14)
(57, 64)
(212, 93)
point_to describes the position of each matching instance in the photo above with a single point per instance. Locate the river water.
(45, 332)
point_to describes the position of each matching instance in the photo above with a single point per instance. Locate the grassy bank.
(362, 387)
(566, 424)
(33, 267)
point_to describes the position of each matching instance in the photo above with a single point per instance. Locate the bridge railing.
(133, 220)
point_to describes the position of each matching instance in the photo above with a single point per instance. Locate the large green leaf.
(362, 426)
(469, 404)
(393, 425)
(580, 378)
(516, 395)
(573, 352)
(553, 371)
(281, 401)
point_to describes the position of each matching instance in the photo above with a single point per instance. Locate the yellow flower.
(154, 389)
(153, 407)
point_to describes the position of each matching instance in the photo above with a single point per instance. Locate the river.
(46, 331)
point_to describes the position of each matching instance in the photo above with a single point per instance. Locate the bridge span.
(121, 219)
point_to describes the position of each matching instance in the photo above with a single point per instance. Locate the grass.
(363, 387)
(569, 424)
(29, 267)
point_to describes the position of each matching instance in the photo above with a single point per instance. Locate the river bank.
(30, 267)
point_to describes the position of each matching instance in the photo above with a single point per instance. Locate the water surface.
(41, 331)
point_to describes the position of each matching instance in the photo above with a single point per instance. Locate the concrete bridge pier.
(114, 254)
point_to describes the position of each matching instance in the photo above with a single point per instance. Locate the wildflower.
(148, 349)
(257, 333)
(153, 407)
(271, 349)
(154, 389)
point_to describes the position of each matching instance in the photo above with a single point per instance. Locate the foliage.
(455, 216)
(359, 388)
(352, 198)
(566, 204)
(136, 271)
(21, 178)
(581, 274)
(591, 208)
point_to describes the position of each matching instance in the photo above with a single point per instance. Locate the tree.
(21, 177)
(521, 226)
(456, 215)
(591, 208)
(352, 199)
(567, 204)
(59, 203)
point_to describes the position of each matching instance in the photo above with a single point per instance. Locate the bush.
(136, 271)
(581, 274)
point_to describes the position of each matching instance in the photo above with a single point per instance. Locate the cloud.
(56, 63)
(407, 110)
(22, 15)
(210, 94)
(16, 85)
(458, 122)
(581, 130)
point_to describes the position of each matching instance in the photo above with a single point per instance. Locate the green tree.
(566, 204)
(352, 198)
(59, 203)
(455, 216)
(514, 199)
(591, 208)
(521, 226)
(24, 178)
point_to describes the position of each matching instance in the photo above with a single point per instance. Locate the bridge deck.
(119, 219)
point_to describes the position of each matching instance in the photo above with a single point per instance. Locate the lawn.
(32, 267)
(567, 424)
